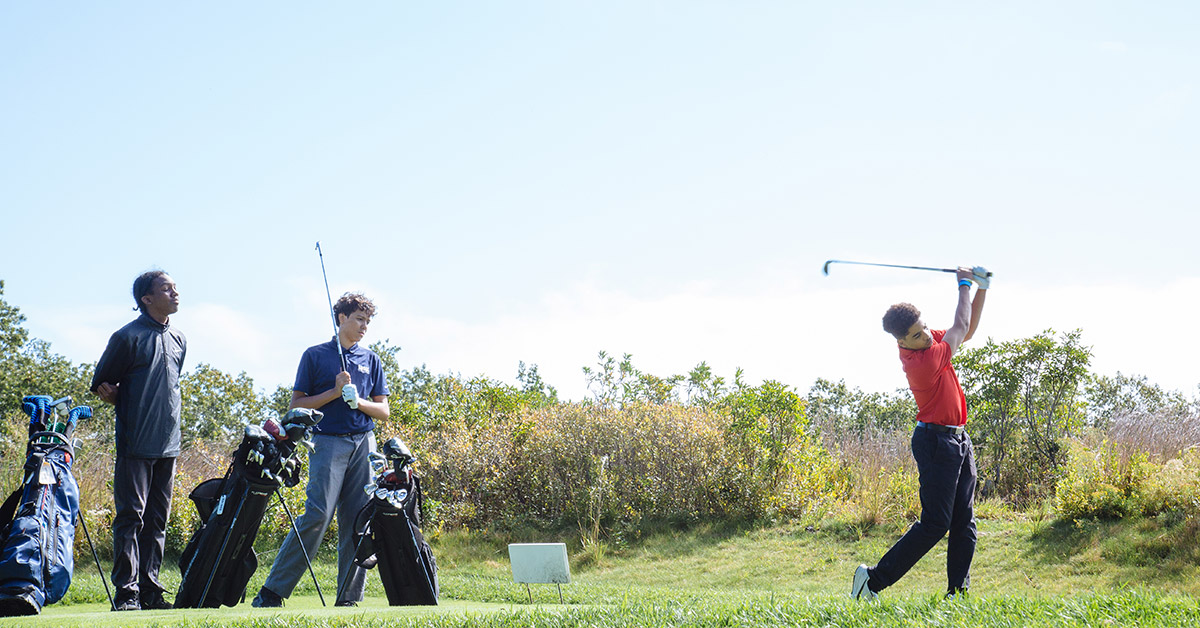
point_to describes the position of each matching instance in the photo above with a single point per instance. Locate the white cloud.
(791, 330)
(796, 333)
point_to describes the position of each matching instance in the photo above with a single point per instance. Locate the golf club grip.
(955, 270)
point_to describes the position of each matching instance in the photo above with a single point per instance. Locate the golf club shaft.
(940, 270)
(300, 540)
(332, 314)
(111, 604)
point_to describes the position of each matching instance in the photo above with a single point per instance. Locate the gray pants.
(337, 472)
(142, 499)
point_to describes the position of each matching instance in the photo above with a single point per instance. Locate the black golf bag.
(37, 521)
(390, 530)
(219, 559)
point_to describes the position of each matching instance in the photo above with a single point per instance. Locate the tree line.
(1028, 399)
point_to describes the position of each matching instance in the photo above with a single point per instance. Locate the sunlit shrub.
(1175, 486)
(1099, 482)
(581, 464)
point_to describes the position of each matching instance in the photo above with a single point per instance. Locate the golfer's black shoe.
(127, 601)
(345, 603)
(267, 598)
(156, 602)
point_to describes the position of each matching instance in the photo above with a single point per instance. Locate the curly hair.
(352, 302)
(142, 286)
(899, 318)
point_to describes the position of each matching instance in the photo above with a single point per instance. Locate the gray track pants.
(337, 472)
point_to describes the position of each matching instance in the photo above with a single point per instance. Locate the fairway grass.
(299, 611)
(1121, 609)
(1026, 573)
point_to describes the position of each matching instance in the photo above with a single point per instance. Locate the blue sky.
(539, 181)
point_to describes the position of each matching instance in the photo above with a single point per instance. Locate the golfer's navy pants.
(946, 464)
(142, 500)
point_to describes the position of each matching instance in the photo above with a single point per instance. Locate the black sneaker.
(127, 601)
(267, 598)
(156, 602)
(345, 603)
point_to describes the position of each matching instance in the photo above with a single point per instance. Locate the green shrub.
(579, 464)
(1174, 486)
(1099, 482)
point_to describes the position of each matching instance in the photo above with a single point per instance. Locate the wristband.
(964, 282)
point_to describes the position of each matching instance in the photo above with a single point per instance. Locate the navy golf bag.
(37, 521)
(390, 530)
(219, 559)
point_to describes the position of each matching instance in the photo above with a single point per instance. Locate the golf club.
(825, 268)
(351, 400)
(85, 412)
(50, 421)
(300, 542)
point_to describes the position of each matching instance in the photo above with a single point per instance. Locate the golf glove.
(981, 277)
(350, 396)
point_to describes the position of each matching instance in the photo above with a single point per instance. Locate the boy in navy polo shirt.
(944, 454)
(352, 396)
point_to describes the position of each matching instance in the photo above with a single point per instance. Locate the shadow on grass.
(1145, 549)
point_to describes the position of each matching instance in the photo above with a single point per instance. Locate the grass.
(1026, 572)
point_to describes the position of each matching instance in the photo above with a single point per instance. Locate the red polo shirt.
(934, 383)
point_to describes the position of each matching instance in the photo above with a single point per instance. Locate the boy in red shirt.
(940, 445)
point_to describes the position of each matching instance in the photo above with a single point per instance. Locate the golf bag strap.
(416, 487)
(8, 511)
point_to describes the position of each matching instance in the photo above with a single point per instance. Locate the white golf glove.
(350, 395)
(980, 277)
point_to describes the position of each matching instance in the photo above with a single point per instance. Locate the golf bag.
(219, 559)
(37, 521)
(390, 530)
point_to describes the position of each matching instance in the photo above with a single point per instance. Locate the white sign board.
(539, 563)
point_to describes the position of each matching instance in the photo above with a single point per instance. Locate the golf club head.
(825, 268)
(61, 405)
(79, 412)
(37, 407)
(397, 453)
(272, 427)
(379, 462)
(256, 433)
(302, 416)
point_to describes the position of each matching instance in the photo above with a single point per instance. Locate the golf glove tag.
(350, 396)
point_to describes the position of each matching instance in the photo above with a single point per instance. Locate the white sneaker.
(859, 589)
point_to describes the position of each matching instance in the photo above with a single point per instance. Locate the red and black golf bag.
(390, 530)
(220, 559)
(37, 521)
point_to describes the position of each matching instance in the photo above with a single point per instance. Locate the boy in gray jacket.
(139, 373)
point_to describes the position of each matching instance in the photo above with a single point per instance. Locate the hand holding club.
(982, 277)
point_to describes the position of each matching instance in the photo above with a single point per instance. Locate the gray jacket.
(146, 359)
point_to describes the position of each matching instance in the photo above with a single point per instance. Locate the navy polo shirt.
(318, 371)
